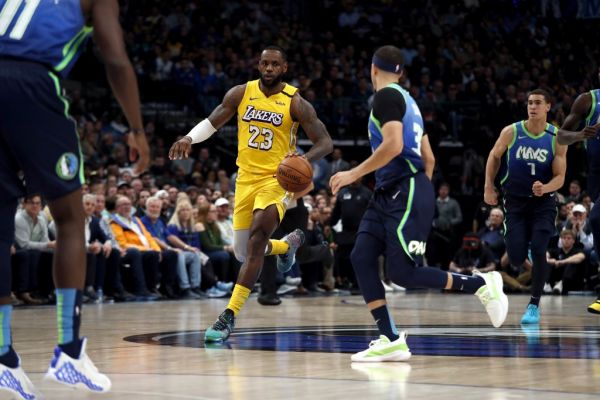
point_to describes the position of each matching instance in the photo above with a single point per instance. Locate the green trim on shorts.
(411, 193)
(58, 88)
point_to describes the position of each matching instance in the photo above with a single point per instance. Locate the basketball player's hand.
(181, 148)
(138, 150)
(295, 154)
(589, 132)
(538, 188)
(490, 196)
(341, 179)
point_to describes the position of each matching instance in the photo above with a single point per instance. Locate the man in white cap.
(224, 220)
(582, 230)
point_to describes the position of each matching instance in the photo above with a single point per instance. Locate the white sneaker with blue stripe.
(80, 373)
(15, 382)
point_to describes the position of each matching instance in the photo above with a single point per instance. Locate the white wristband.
(202, 131)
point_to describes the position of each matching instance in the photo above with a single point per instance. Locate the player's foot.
(492, 297)
(77, 373)
(294, 240)
(15, 382)
(594, 308)
(222, 327)
(384, 350)
(531, 315)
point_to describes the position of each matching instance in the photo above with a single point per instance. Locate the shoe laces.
(295, 238)
(223, 322)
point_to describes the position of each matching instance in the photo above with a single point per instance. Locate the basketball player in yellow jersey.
(269, 112)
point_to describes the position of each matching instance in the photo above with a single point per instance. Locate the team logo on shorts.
(67, 166)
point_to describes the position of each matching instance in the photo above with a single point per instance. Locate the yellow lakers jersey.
(266, 131)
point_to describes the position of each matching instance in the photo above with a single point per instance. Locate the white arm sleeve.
(202, 131)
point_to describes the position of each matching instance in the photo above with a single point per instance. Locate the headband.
(387, 66)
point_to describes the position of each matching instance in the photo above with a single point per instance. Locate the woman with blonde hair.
(183, 235)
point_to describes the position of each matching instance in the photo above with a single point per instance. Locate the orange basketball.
(294, 174)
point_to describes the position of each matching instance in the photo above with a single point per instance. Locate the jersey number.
(418, 137)
(7, 15)
(267, 141)
(532, 165)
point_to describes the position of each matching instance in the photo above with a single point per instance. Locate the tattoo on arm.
(303, 112)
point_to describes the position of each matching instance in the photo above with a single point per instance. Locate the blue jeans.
(188, 269)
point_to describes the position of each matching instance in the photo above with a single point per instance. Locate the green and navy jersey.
(528, 159)
(49, 32)
(393, 103)
(593, 145)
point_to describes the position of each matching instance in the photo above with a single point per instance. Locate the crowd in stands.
(168, 233)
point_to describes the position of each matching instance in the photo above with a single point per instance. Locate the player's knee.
(359, 258)
(402, 276)
(257, 243)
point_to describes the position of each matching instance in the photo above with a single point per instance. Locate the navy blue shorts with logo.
(39, 145)
(401, 216)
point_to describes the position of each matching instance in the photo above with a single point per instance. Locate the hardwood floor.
(301, 350)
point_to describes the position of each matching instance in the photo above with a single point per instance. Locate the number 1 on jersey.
(8, 14)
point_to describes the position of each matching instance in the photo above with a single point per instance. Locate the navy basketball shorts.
(528, 219)
(39, 144)
(401, 217)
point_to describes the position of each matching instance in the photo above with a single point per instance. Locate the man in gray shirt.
(31, 227)
(31, 236)
(443, 238)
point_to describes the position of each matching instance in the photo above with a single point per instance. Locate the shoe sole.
(50, 377)
(526, 322)
(213, 339)
(395, 356)
(503, 303)
(593, 311)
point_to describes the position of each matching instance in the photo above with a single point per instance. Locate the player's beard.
(276, 81)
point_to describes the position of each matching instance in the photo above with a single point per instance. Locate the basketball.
(294, 174)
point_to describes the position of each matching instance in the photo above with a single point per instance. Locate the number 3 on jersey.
(267, 138)
(7, 15)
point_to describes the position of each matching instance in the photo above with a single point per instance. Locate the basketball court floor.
(301, 350)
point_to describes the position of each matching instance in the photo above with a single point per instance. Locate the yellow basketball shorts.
(257, 195)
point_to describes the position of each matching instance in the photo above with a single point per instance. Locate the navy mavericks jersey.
(408, 162)
(50, 32)
(593, 145)
(528, 159)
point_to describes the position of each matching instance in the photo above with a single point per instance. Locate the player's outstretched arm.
(427, 156)
(579, 110)
(493, 163)
(559, 169)
(205, 129)
(109, 38)
(391, 146)
(303, 112)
